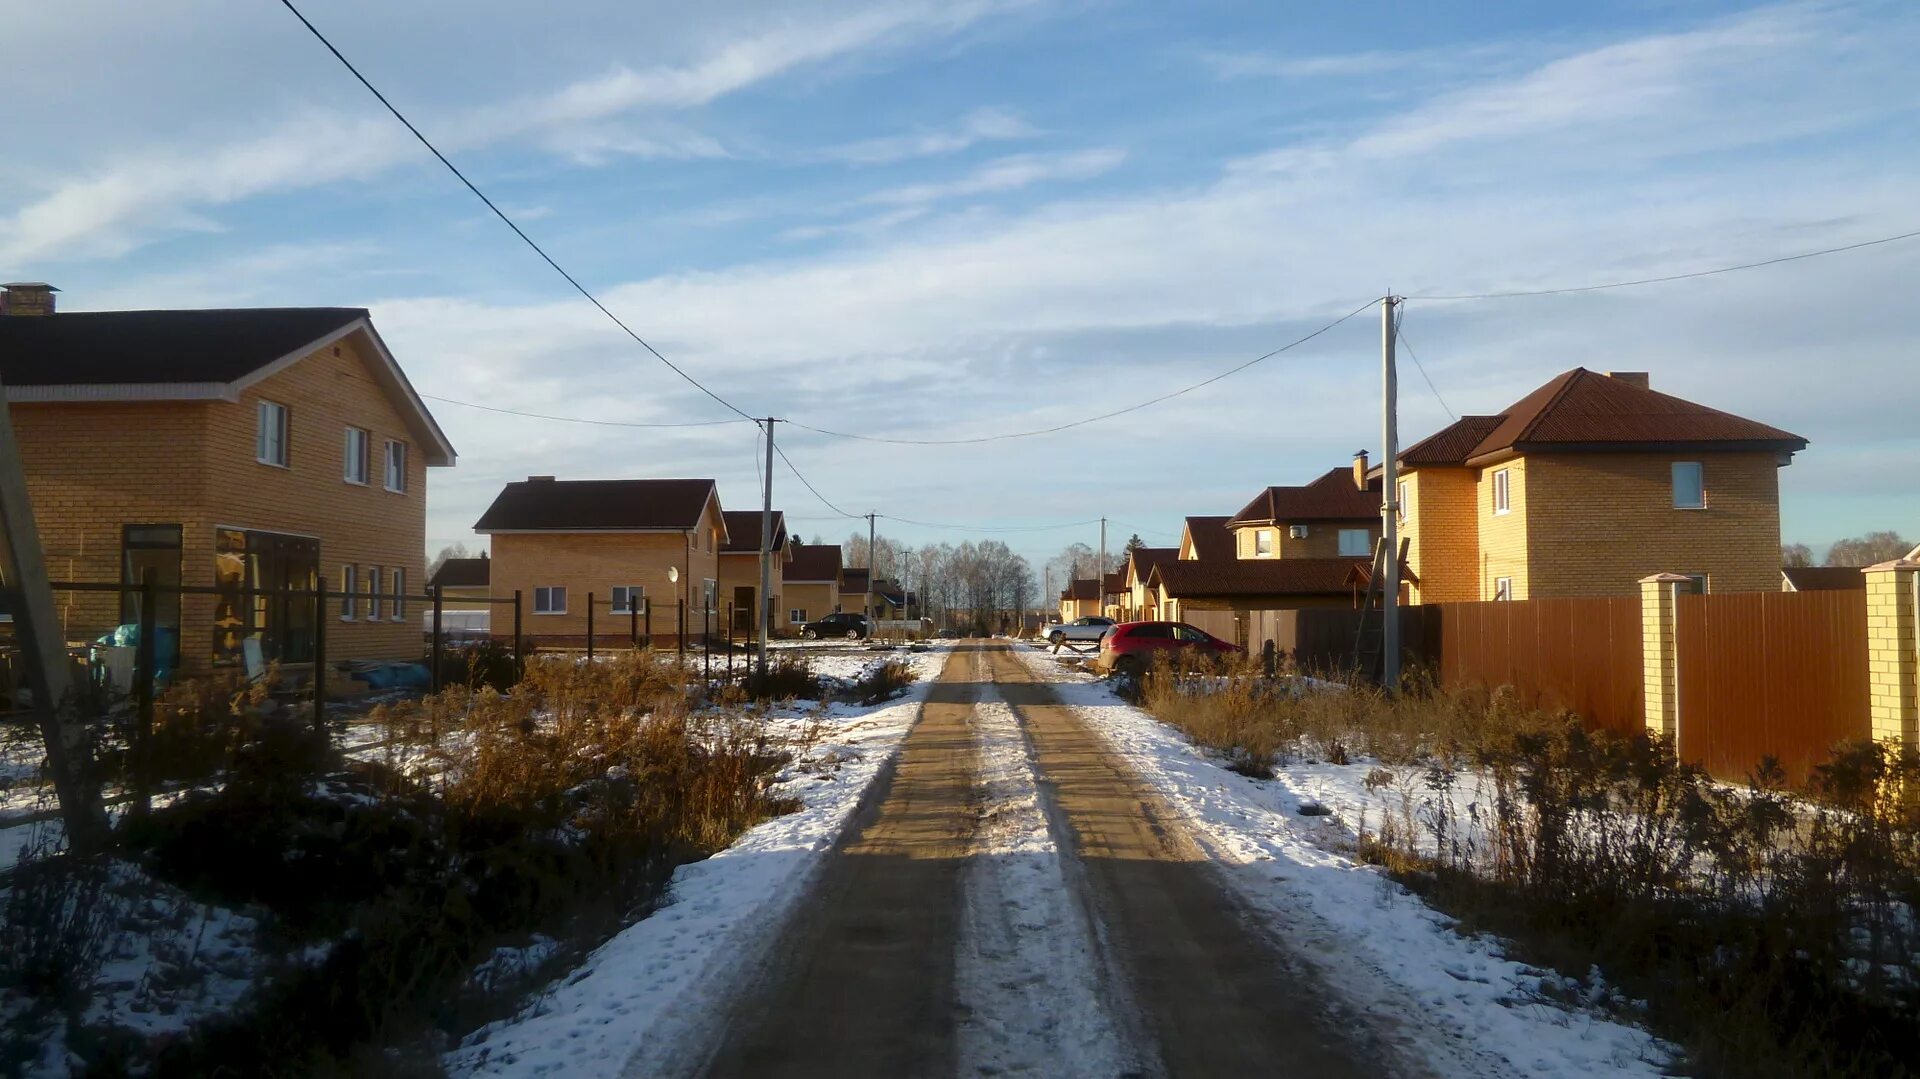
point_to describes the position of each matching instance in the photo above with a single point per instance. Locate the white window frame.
(1699, 471)
(1502, 492)
(397, 602)
(1365, 543)
(395, 466)
(797, 615)
(550, 591)
(272, 425)
(349, 591)
(633, 592)
(376, 582)
(1503, 589)
(1262, 542)
(353, 466)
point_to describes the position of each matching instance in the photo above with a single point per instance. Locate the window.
(1696, 585)
(550, 599)
(1151, 631)
(797, 615)
(397, 606)
(349, 590)
(1689, 486)
(374, 584)
(1503, 588)
(356, 456)
(1185, 632)
(1502, 502)
(627, 599)
(270, 435)
(396, 466)
(1355, 543)
(1263, 541)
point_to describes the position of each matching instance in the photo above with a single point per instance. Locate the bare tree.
(1795, 554)
(454, 550)
(1867, 550)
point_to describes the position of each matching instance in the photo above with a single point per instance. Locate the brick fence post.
(1659, 654)
(1893, 664)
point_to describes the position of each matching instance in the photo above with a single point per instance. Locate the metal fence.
(1580, 655)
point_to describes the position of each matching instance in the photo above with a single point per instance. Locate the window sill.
(351, 482)
(548, 614)
(273, 464)
(348, 618)
(1690, 509)
(394, 490)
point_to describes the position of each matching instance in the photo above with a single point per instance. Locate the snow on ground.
(1354, 923)
(660, 983)
(1025, 973)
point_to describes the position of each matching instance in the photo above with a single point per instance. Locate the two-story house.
(740, 567)
(1139, 604)
(1079, 599)
(810, 582)
(244, 451)
(1585, 486)
(641, 549)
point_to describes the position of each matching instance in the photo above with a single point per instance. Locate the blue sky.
(973, 216)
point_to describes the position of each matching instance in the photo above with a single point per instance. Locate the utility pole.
(1389, 498)
(871, 561)
(765, 617)
(1100, 574)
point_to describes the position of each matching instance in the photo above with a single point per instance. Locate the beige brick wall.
(1321, 541)
(594, 563)
(1598, 523)
(817, 600)
(1659, 654)
(1893, 664)
(93, 467)
(1442, 527)
(743, 571)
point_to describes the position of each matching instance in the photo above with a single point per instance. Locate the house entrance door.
(743, 611)
(253, 569)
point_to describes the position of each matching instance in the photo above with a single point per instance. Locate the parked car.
(843, 624)
(1131, 647)
(1091, 628)
(947, 635)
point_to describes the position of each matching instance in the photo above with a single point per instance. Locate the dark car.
(851, 626)
(1131, 646)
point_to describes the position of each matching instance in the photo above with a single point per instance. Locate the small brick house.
(740, 567)
(463, 584)
(1079, 599)
(241, 450)
(1139, 602)
(1585, 486)
(810, 583)
(646, 547)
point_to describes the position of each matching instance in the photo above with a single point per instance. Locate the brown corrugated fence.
(1581, 655)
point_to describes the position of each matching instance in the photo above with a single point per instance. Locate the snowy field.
(660, 983)
(1369, 937)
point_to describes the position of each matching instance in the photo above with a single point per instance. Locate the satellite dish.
(673, 574)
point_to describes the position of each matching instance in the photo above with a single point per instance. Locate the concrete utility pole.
(766, 553)
(1389, 498)
(871, 620)
(1100, 589)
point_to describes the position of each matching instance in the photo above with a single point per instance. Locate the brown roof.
(550, 505)
(813, 562)
(743, 531)
(1825, 578)
(1582, 410)
(1332, 497)
(1145, 558)
(853, 579)
(1211, 540)
(1116, 581)
(1085, 588)
(1258, 577)
(115, 347)
(463, 573)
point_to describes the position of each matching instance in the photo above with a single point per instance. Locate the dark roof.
(96, 347)
(891, 591)
(1145, 558)
(1084, 588)
(463, 573)
(1258, 577)
(1332, 497)
(548, 505)
(813, 562)
(1825, 578)
(1582, 410)
(1116, 581)
(1211, 539)
(853, 579)
(743, 531)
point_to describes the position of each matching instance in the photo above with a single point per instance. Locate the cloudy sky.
(958, 218)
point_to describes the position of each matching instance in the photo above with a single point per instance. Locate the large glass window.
(255, 572)
(1355, 542)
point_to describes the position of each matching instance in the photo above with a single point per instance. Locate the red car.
(1129, 648)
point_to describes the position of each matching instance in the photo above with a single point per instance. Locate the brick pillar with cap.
(1893, 652)
(1659, 604)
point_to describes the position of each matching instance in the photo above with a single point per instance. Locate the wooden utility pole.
(766, 554)
(26, 595)
(1389, 498)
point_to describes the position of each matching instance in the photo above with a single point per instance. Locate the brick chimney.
(1632, 378)
(26, 298)
(1360, 470)
(540, 479)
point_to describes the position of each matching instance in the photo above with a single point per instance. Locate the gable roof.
(1210, 537)
(204, 355)
(1331, 497)
(1258, 577)
(743, 531)
(854, 579)
(1824, 578)
(1083, 588)
(813, 562)
(463, 573)
(551, 505)
(1115, 581)
(1140, 564)
(1582, 410)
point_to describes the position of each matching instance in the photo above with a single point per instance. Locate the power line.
(1090, 419)
(576, 419)
(1400, 335)
(808, 484)
(989, 528)
(497, 212)
(1673, 277)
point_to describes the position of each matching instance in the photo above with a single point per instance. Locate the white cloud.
(981, 125)
(1005, 174)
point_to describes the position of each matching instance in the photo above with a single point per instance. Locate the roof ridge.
(1569, 378)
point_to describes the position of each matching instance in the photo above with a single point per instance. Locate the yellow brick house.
(740, 568)
(1585, 486)
(242, 450)
(810, 583)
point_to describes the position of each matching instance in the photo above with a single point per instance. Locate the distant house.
(1588, 484)
(1139, 568)
(645, 547)
(463, 584)
(1187, 587)
(1204, 539)
(1079, 599)
(888, 598)
(1822, 579)
(1113, 594)
(1335, 516)
(740, 568)
(239, 450)
(810, 582)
